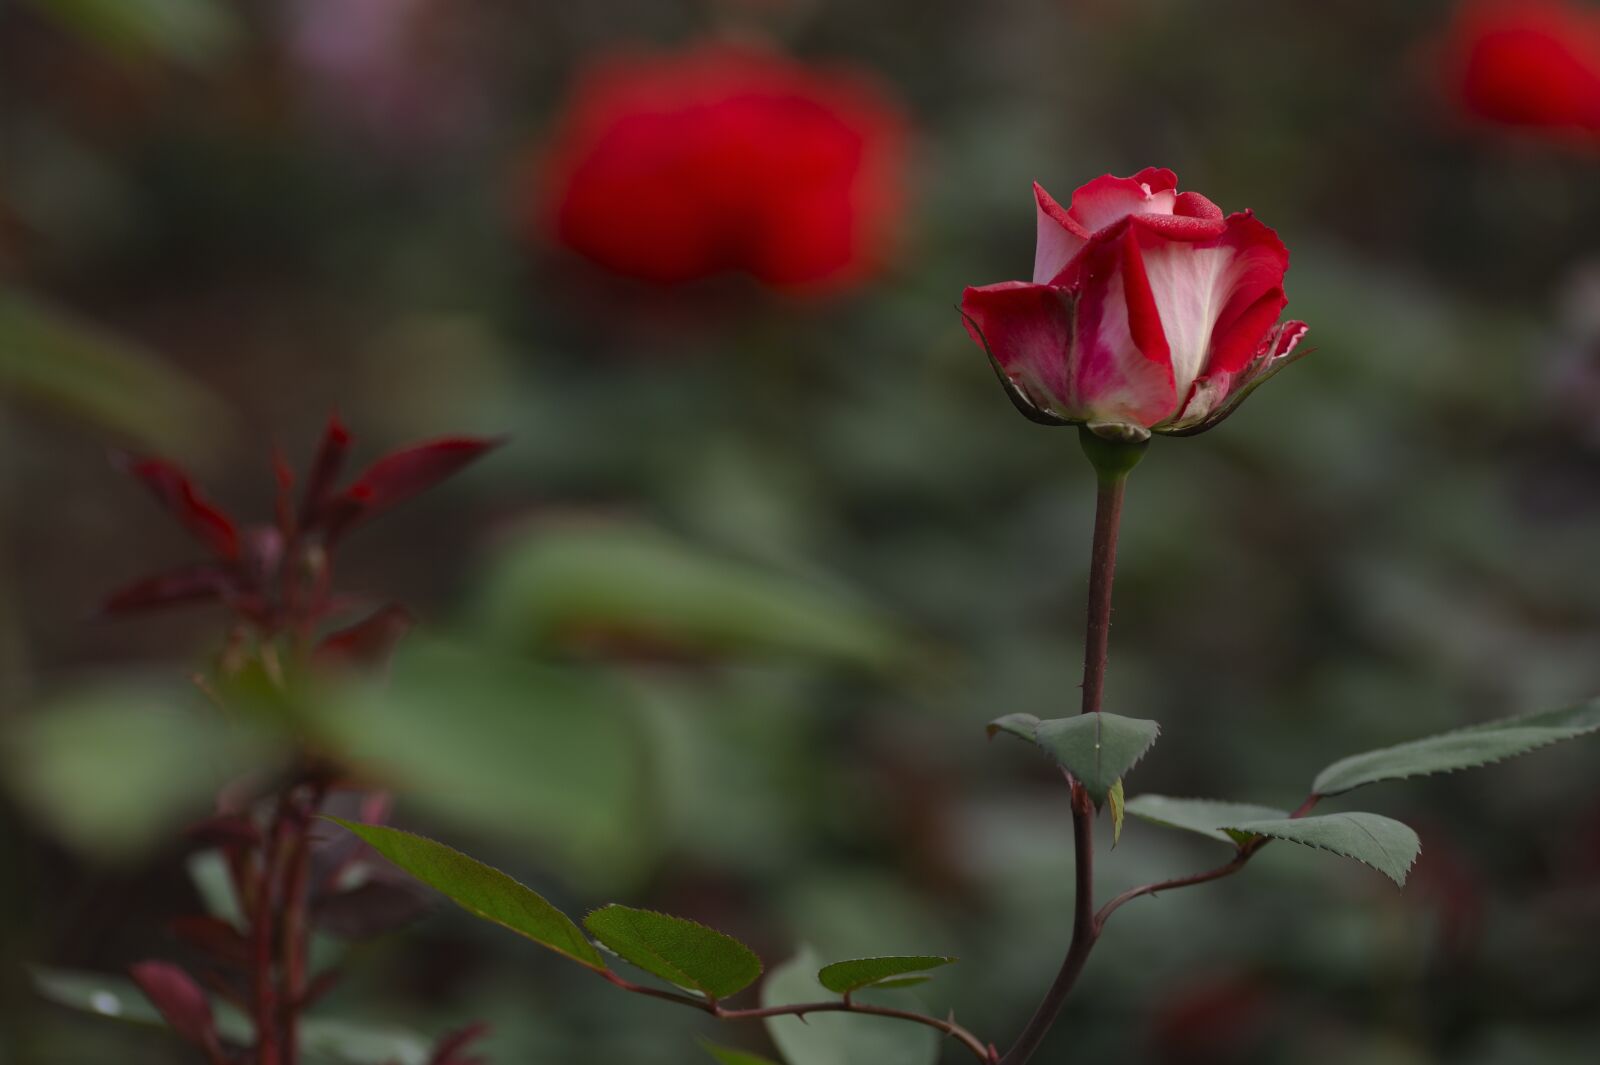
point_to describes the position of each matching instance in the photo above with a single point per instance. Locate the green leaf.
(213, 882)
(840, 1038)
(114, 768)
(1385, 844)
(519, 743)
(1116, 801)
(480, 890)
(195, 32)
(678, 950)
(633, 585)
(1204, 816)
(844, 977)
(729, 1056)
(52, 359)
(350, 1043)
(1463, 748)
(1097, 749)
(118, 998)
(1023, 725)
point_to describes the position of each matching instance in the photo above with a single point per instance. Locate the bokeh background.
(789, 524)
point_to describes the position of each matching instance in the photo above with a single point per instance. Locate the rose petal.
(1206, 288)
(1122, 368)
(1027, 330)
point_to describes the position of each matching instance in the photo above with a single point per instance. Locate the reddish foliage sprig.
(277, 579)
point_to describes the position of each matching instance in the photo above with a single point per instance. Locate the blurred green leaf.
(1097, 749)
(729, 1056)
(1381, 842)
(1203, 816)
(678, 950)
(51, 358)
(502, 745)
(113, 767)
(340, 1042)
(839, 1038)
(626, 585)
(208, 871)
(333, 1042)
(194, 32)
(1464, 748)
(846, 976)
(481, 890)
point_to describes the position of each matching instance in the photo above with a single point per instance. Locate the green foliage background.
(1396, 537)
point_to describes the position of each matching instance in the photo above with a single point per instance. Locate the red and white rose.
(1149, 310)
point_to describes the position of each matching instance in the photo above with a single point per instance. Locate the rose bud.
(723, 159)
(1149, 311)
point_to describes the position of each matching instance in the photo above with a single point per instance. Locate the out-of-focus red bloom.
(1149, 310)
(278, 577)
(724, 159)
(1528, 63)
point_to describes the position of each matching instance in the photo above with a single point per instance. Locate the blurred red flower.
(723, 159)
(1528, 63)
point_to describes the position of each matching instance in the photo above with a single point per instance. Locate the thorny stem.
(983, 1053)
(1112, 463)
(1102, 570)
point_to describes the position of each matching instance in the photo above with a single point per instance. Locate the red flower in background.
(1528, 63)
(724, 159)
(278, 577)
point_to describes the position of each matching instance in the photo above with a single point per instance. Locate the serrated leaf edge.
(1100, 725)
(1147, 819)
(939, 962)
(355, 826)
(1463, 730)
(1404, 873)
(687, 983)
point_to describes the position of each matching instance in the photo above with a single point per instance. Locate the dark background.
(1395, 536)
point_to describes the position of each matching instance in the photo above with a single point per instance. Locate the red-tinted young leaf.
(372, 909)
(283, 502)
(197, 583)
(225, 830)
(215, 936)
(397, 477)
(173, 488)
(368, 643)
(325, 470)
(449, 1049)
(180, 1001)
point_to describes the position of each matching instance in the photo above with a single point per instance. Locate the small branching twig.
(982, 1051)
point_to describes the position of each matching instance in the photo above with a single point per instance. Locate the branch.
(950, 1028)
(1085, 932)
(1241, 858)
